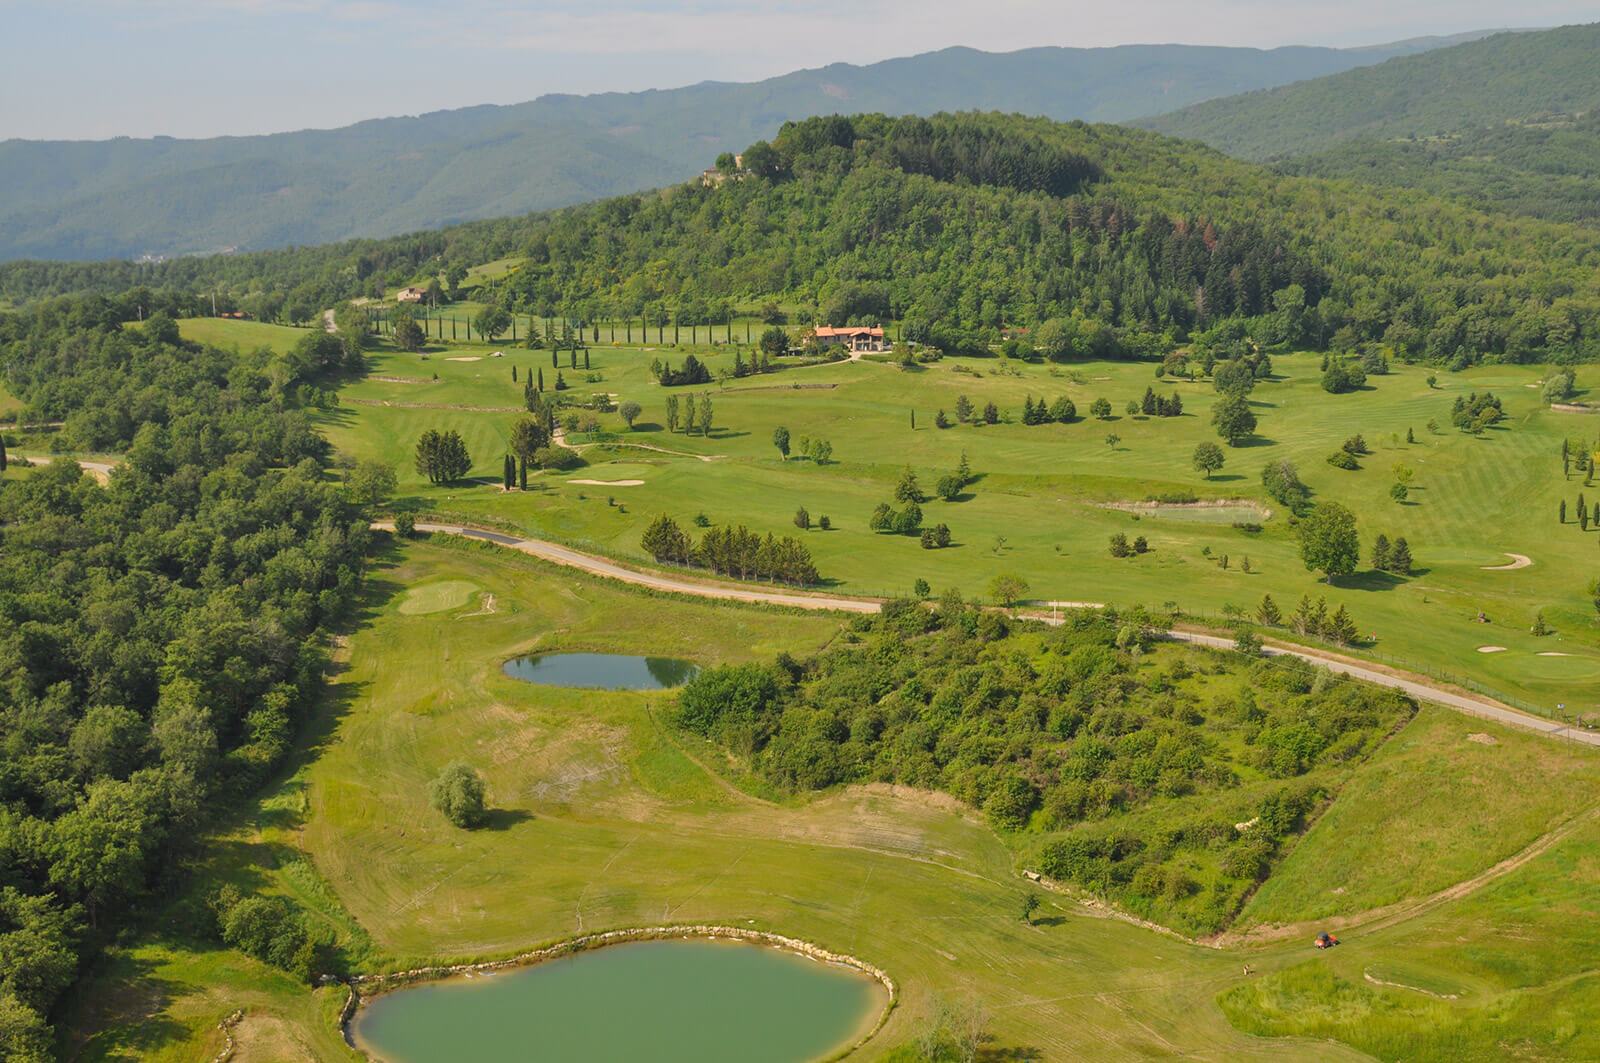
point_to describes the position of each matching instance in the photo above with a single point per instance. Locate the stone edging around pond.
(386, 982)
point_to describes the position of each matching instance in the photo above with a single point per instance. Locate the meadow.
(603, 816)
(1039, 506)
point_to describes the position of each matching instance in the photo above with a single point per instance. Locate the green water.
(662, 1001)
(604, 671)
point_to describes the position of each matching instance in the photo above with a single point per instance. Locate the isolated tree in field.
(1233, 377)
(963, 409)
(672, 413)
(940, 419)
(1207, 458)
(921, 589)
(370, 482)
(490, 322)
(1112, 439)
(1100, 408)
(780, 439)
(705, 415)
(991, 413)
(408, 335)
(1008, 588)
(802, 519)
(1400, 557)
(529, 435)
(1029, 905)
(1233, 419)
(1267, 614)
(1399, 492)
(949, 487)
(629, 412)
(907, 490)
(457, 793)
(1328, 541)
(442, 456)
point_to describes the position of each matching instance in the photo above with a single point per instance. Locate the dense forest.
(1169, 781)
(160, 634)
(1509, 77)
(1549, 168)
(1157, 239)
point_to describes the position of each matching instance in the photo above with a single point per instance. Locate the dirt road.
(1416, 686)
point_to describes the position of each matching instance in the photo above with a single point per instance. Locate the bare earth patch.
(1483, 739)
(1517, 561)
(608, 483)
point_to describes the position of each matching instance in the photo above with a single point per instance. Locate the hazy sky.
(80, 69)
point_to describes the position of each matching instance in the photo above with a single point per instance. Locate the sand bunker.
(1553, 653)
(466, 358)
(1491, 649)
(1517, 561)
(608, 483)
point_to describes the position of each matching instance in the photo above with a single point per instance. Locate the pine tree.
(1380, 553)
(2, 454)
(963, 470)
(1563, 516)
(1400, 558)
(522, 475)
(1340, 628)
(1267, 614)
(1301, 621)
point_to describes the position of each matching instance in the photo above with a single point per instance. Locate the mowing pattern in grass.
(1036, 505)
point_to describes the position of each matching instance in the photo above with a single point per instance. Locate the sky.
(94, 69)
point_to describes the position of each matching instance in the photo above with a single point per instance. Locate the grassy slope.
(1508, 77)
(602, 819)
(1472, 498)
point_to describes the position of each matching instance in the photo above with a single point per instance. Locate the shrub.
(457, 793)
(1340, 459)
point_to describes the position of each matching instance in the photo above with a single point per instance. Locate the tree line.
(161, 636)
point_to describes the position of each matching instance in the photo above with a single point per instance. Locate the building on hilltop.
(411, 295)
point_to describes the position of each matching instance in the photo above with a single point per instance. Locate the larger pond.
(665, 1001)
(603, 671)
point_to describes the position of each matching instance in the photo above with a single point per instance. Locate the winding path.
(1517, 561)
(1414, 685)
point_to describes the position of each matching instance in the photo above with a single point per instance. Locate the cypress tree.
(522, 477)
(1563, 511)
(2, 453)
(541, 380)
(513, 374)
(586, 357)
(574, 356)
(508, 467)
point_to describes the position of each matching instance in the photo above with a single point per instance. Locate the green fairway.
(602, 818)
(1040, 503)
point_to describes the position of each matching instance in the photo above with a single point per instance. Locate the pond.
(604, 671)
(667, 1001)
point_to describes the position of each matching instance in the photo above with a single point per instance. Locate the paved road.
(1416, 686)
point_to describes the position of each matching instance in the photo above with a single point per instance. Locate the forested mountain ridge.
(1548, 168)
(129, 198)
(1508, 77)
(958, 224)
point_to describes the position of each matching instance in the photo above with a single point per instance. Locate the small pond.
(665, 1001)
(603, 671)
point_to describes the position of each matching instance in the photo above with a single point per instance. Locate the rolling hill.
(163, 197)
(1509, 77)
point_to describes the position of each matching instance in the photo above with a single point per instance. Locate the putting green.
(438, 597)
